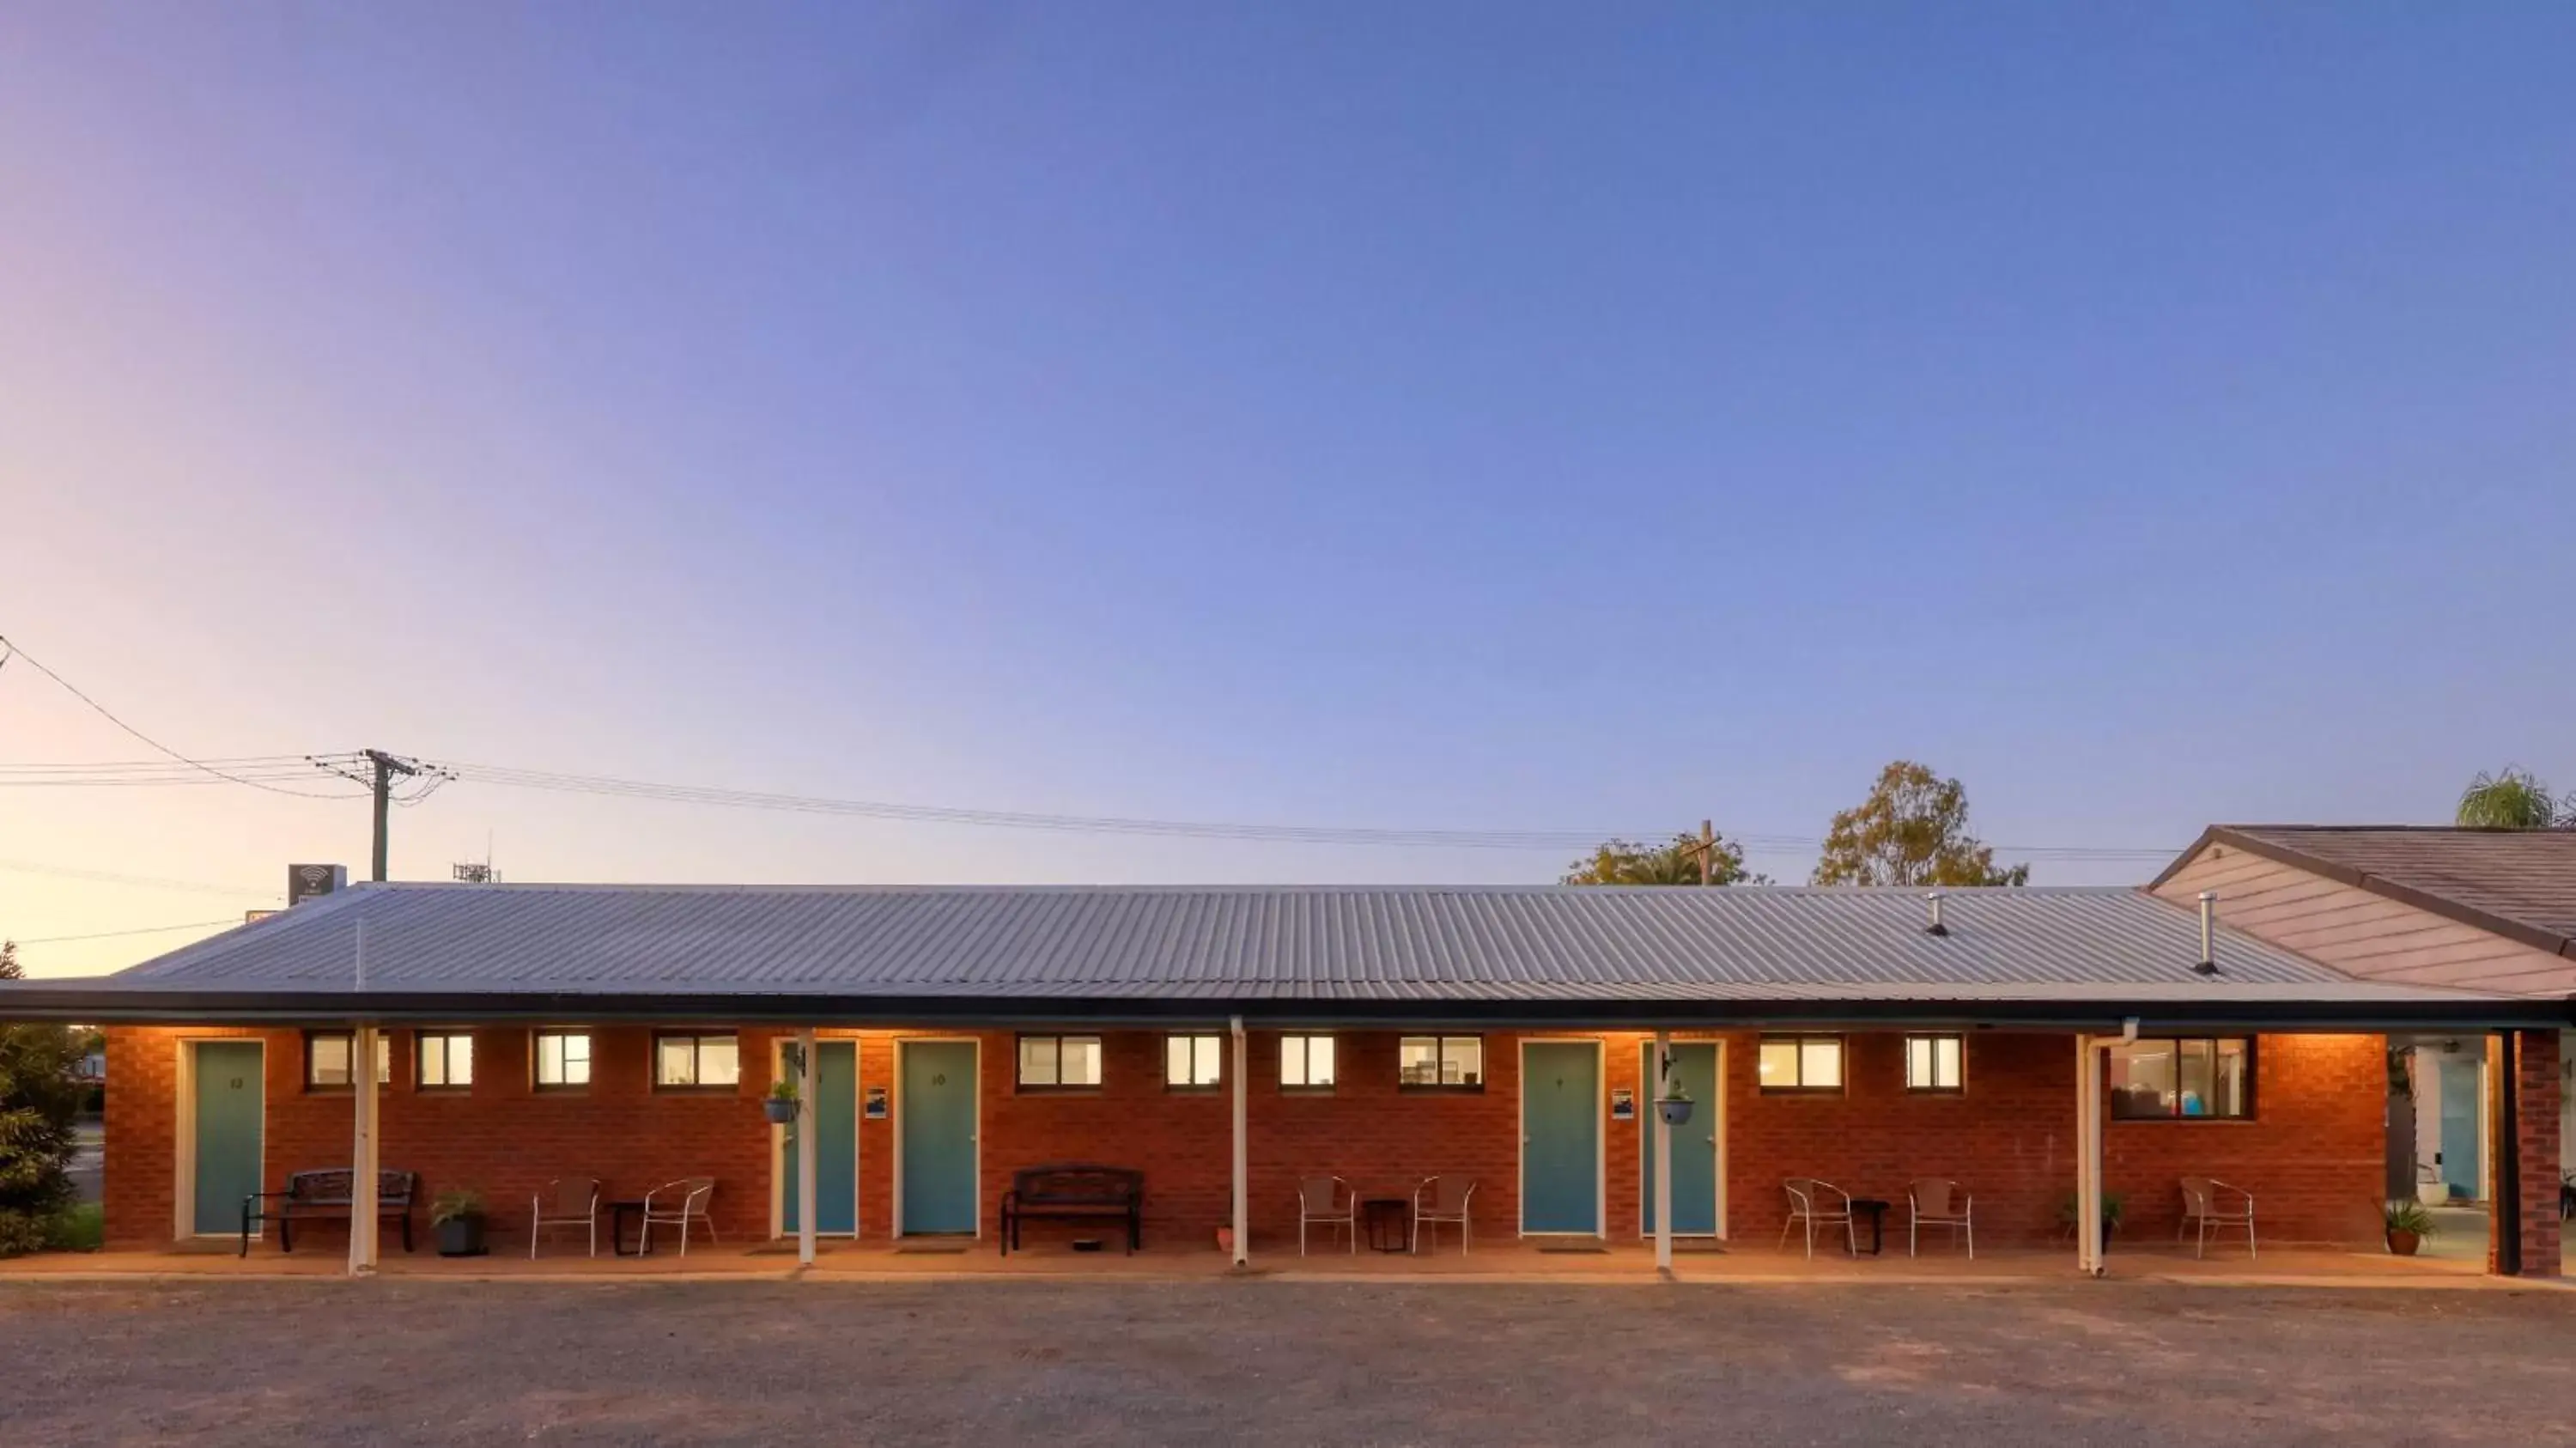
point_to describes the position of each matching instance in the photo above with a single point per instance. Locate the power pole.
(1707, 844)
(386, 768)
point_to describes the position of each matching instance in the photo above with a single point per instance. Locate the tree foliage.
(1912, 830)
(1625, 862)
(2512, 799)
(39, 1098)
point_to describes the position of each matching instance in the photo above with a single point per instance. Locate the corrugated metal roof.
(1326, 944)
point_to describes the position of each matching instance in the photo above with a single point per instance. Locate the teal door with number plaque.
(1561, 1137)
(227, 1133)
(1694, 1145)
(836, 1145)
(938, 1085)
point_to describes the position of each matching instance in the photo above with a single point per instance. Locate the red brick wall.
(2536, 1135)
(502, 1137)
(2312, 1156)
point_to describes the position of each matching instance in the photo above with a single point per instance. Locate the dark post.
(2508, 1162)
(386, 767)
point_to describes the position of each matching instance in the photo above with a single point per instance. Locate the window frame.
(1842, 1063)
(2253, 1097)
(1058, 1087)
(1956, 1088)
(446, 1035)
(1440, 1062)
(384, 1061)
(537, 1056)
(1306, 1058)
(697, 1040)
(1184, 1088)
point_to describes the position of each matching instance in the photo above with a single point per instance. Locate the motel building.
(2048, 1050)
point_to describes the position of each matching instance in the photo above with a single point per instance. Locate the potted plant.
(781, 1105)
(457, 1216)
(1674, 1106)
(2070, 1204)
(2407, 1223)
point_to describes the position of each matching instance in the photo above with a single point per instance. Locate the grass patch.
(78, 1229)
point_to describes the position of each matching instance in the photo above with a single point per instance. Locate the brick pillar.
(2536, 1142)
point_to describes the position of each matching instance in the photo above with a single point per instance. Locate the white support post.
(805, 1148)
(1242, 1151)
(364, 1154)
(2088, 1159)
(1662, 1086)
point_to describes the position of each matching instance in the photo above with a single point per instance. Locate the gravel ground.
(1271, 1362)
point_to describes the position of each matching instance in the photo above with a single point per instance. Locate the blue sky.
(1412, 415)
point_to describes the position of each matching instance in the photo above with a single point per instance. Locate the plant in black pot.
(781, 1105)
(458, 1218)
(1674, 1106)
(2070, 1204)
(2408, 1223)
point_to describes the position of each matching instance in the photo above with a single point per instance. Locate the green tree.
(1912, 830)
(2512, 799)
(39, 1096)
(1625, 862)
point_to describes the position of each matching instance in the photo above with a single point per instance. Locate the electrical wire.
(104, 712)
(147, 882)
(1538, 839)
(115, 934)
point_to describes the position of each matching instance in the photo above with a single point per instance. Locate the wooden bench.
(311, 1194)
(1075, 1191)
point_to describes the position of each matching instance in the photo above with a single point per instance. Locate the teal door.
(2460, 1082)
(836, 1144)
(938, 1088)
(227, 1132)
(1694, 1146)
(1560, 1137)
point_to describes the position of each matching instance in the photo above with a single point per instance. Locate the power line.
(1532, 839)
(115, 934)
(105, 713)
(149, 882)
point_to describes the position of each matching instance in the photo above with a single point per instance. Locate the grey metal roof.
(1278, 944)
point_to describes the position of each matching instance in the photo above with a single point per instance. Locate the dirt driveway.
(1273, 1362)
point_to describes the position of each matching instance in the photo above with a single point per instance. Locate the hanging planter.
(780, 1107)
(1675, 1110)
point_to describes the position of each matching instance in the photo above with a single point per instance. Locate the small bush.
(80, 1229)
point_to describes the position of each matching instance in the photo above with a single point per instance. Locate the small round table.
(1876, 1212)
(1386, 1219)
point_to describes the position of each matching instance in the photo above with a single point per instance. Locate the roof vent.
(2208, 933)
(1936, 927)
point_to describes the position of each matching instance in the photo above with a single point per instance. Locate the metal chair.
(680, 1204)
(1938, 1202)
(566, 1202)
(2209, 1206)
(1327, 1201)
(1818, 1204)
(1449, 1196)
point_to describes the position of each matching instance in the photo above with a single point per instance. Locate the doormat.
(930, 1249)
(1573, 1251)
(1702, 1247)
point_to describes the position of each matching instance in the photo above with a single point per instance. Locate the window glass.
(1059, 1060)
(563, 1058)
(704, 1062)
(1191, 1061)
(719, 1061)
(1801, 1063)
(1455, 1061)
(2186, 1079)
(326, 1060)
(446, 1060)
(1933, 1063)
(676, 1062)
(1305, 1061)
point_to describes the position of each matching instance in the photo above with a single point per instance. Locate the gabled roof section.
(2519, 884)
